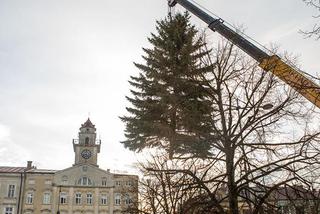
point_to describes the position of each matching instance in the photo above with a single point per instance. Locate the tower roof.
(88, 124)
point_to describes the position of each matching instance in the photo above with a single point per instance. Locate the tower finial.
(88, 123)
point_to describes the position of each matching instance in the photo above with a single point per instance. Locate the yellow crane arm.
(274, 64)
(306, 87)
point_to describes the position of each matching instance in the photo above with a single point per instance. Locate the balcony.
(77, 142)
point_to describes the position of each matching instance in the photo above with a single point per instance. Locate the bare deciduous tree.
(315, 31)
(169, 188)
(251, 110)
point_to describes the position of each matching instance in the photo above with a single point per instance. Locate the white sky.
(61, 59)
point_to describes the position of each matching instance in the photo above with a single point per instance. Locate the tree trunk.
(232, 189)
(173, 124)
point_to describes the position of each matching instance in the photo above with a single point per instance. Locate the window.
(118, 183)
(11, 189)
(63, 198)
(8, 210)
(104, 199)
(46, 198)
(48, 182)
(64, 179)
(128, 183)
(104, 182)
(29, 198)
(117, 199)
(89, 198)
(31, 181)
(84, 181)
(128, 200)
(86, 141)
(78, 198)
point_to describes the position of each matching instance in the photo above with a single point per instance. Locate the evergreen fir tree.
(170, 109)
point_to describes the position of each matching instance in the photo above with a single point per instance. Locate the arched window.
(89, 198)
(117, 199)
(78, 197)
(127, 199)
(84, 181)
(86, 142)
(63, 198)
(103, 199)
(46, 198)
(29, 198)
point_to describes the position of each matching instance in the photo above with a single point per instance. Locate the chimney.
(29, 164)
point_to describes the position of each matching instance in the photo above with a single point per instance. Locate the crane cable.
(233, 27)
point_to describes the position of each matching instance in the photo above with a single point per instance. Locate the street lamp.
(266, 106)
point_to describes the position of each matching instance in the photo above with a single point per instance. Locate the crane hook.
(172, 3)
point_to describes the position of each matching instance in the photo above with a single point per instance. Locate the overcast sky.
(63, 60)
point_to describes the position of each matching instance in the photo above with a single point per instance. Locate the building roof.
(294, 192)
(10, 169)
(42, 171)
(88, 124)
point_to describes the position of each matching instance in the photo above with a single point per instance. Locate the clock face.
(86, 154)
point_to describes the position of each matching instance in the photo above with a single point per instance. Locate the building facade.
(81, 188)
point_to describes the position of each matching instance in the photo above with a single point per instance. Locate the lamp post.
(58, 212)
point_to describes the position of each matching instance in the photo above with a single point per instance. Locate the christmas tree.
(170, 108)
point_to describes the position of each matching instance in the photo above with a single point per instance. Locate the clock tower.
(87, 147)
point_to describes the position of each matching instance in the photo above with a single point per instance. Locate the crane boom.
(273, 63)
